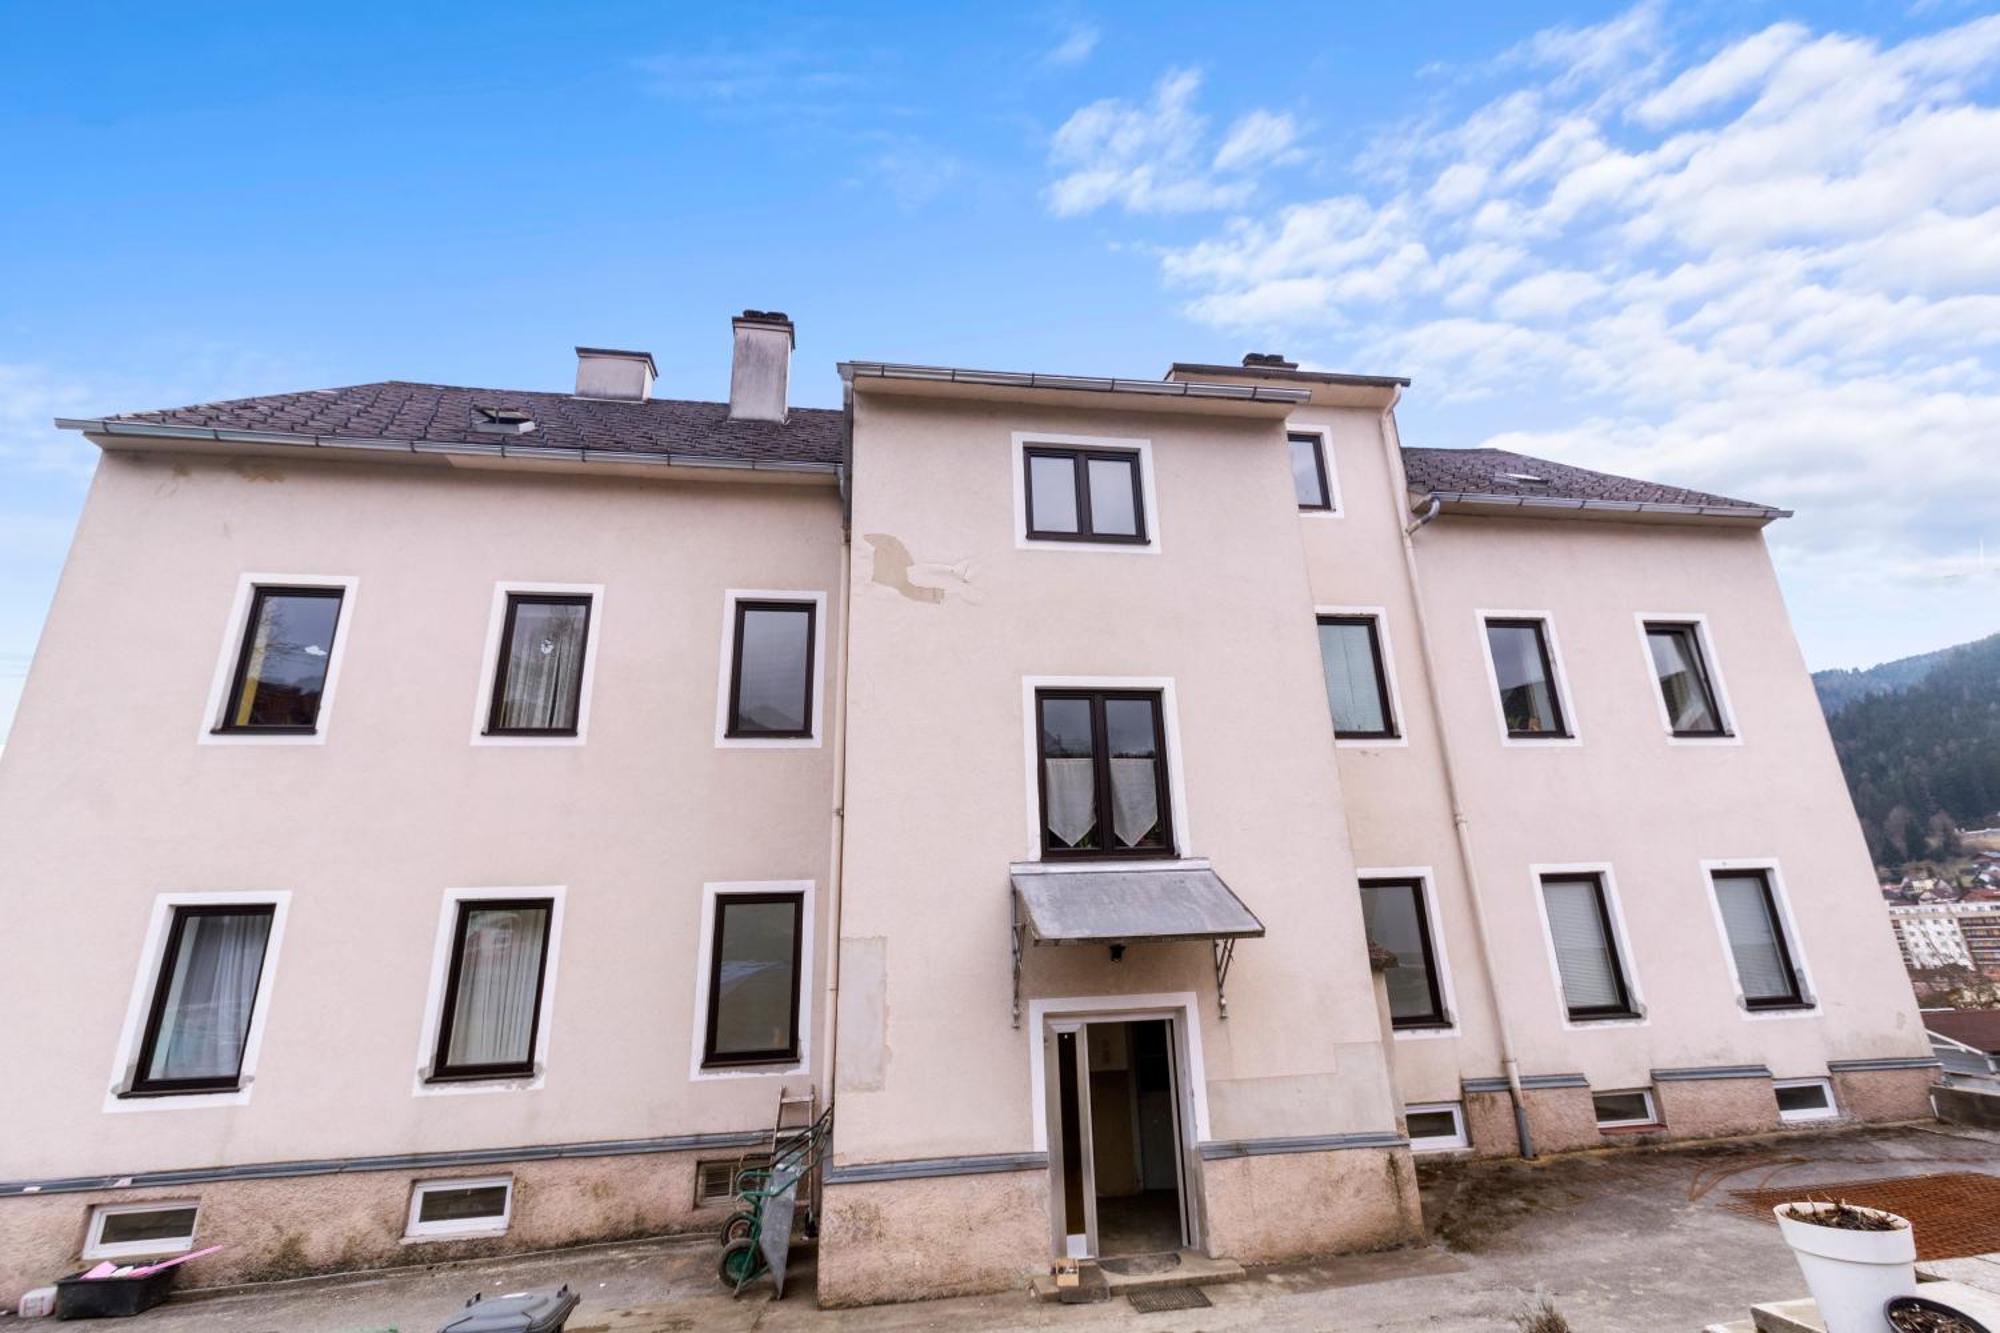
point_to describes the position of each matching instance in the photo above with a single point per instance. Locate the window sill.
(487, 1076)
(1648, 1127)
(1584, 1020)
(153, 1094)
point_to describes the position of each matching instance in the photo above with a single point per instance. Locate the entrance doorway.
(1117, 1138)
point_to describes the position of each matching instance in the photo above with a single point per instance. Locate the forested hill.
(1919, 740)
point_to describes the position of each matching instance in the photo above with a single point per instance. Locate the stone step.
(1800, 1316)
(1188, 1268)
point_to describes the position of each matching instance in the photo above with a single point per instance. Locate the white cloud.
(1075, 47)
(1262, 136)
(1770, 269)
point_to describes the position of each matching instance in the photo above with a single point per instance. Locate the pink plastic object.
(150, 1269)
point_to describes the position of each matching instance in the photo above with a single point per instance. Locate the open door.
(1117, 1152)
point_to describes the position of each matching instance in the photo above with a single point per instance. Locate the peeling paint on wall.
(893, 567)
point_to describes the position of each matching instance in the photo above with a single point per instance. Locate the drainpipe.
(1392, 450)
(837, 848)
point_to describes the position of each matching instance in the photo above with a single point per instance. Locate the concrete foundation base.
(1885, 1094)
(906, 1240)
(1717, 1108)
(1288, 1206)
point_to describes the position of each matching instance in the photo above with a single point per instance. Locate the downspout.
(837, 848)
(1392, 449)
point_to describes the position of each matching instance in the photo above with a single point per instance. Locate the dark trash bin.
(79, 1297)
(543, 1310)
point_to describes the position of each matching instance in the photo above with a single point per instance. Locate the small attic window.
(502, 420)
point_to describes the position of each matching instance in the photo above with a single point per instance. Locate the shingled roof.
(449, 414)
(1500, 475)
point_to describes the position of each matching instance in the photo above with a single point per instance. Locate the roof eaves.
(1301, 376)
(1015, 379)
(1487, 500)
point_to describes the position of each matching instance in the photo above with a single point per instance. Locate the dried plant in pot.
(1918, 1314)
(1855, 1260)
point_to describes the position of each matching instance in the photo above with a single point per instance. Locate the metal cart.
(757, 1238)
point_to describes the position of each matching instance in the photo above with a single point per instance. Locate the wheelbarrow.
(757, 1238)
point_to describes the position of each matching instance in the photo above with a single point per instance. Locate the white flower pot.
(1852, 1274)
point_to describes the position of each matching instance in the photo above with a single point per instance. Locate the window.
(1616, 1109)
(1357, 683)
(1805, 1099)
(1436, 1127)
(1530, 704)
(753, 983)
(1309, 476)
(1084, 495)
(1393, 912)
(1685, 686)
(1586, 947)
(771, 670)
(445, 1208)
(1103, 753)
(720, 1181)
(1757, 946)
(538, 683)
(199, 1021)
(493, 989)
(129, 1230)
(281, 669)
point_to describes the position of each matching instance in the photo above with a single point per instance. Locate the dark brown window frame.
(1101, 775)
(1374, 627)
(234, 699)
(735, 729)
(1796, 997)
(1562, 731)
(516, 600)
(156, 1012)
(442, 1071)
(1624, 1008)
(1079, 459)
(1318, 441)
(1439, 1017)
(1704, 677)
(789, 1054)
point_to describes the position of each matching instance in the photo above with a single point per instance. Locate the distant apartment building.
(1930, 936)
(444, 820)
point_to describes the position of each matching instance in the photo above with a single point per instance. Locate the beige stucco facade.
(900, 822)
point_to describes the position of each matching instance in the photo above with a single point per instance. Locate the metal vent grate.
(1153, 1300)
(716, 1182)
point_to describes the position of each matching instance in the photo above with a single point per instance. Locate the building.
(1967, 1042)
(1929, 934)
(513, 793)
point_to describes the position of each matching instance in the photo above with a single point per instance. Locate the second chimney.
(604, 372)
(760, 376)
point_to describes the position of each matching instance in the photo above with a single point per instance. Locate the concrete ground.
(1635, 1240)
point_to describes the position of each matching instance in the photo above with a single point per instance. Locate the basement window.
(1805, 1099)
(720, 1182)
(444, 1209)
(1436, 1127)
(1619, 1110)
(132, 1230)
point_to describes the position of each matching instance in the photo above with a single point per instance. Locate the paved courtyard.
(1646, 1240)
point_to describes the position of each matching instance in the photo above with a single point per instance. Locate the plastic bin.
(543, 1310)
(79, 1297)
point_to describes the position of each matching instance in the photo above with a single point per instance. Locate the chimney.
(760, 376)
(1267, 361)
(604, 372)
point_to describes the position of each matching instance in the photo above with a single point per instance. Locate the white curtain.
(1071, 786)
(1583, 950)
(493, 1019)
(210, 995)
(1348, 660)
(1753, 937)
(544, 667)
(1135, 800)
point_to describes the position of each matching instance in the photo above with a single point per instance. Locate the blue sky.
(1748, 247)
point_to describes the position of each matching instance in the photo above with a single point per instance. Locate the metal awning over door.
(1117, 907)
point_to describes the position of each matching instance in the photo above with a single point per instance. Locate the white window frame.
(124, 1067)
(1183, 1006)
(95, 1247)
(414, 1230)
(489, 668)
(1176, 775)
(1018, 460)
(705, 963)
(1782, 898)
(440, 978)
(1561, 682)
(1380, 616)
(1620, 937)
(1652, 1116)
(232, 650)
(1439, 959)
(725, 668)
(1825, 1085)
(1457, 1142)
(1334, 507)
(1705, 644)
